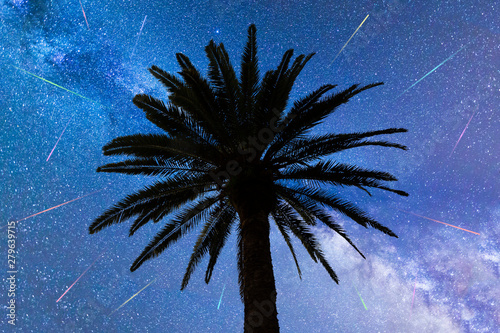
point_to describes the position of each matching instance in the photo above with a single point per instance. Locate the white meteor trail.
(137, 293)
(60, 136)
(348, 40)
(138, 36)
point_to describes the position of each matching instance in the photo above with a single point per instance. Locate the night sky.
(433, 278)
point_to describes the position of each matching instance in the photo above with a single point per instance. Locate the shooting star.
(138, 36)
(58, 140)
(450, 225)
(432, 70)
(359, 296)
(64, 203)
(80, 276)
(348, 41)
(84, 15)
(220, 300)
(41, 78)
(460, 138)
(137, 293)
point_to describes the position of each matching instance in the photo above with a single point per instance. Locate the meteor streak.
(138, 36)
(58, 140)
(137, 293)
(359, 296)
(460, 138)
(220, 300)
(450, 225)
(432, 70)
(80, 276)
(41, 78)
(348, 40)
(64, 203)
(84, 15)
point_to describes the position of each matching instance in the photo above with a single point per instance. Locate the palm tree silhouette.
(233, 157)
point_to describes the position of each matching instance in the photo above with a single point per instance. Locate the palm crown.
(233, 155)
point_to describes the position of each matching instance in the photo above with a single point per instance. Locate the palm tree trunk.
(257, 286)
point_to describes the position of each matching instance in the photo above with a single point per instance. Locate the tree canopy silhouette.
(233, 158)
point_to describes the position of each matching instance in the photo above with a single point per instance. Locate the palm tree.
(232, 157)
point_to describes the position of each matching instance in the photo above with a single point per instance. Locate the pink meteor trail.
(64, 203)
(85, 16)
(139, 36)
(80, 276)
(58, 140)
(460, 138)
(450, 225)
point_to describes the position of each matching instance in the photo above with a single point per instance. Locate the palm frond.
(171, 119)
(310, 197)
(316, 147)
(340, 175)
(172, 83)
(249, 78)
(323, 217)
(288, 81)
(194, 96)
(303, 233)
(188, 99)
(269, 92)
(157, 145)
(227, 91)
(222, 234)
(315, 113)
(169, 194)
(306, 215)
(284, 230)
(213, 236)
(298, 107)
(156, 166)
(274, 98)
(330, 223)
(298, 228)
(180, 225)
(144, 218)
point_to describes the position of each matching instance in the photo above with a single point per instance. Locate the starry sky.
(433, 278)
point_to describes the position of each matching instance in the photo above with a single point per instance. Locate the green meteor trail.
(432, 70)
(360, 297)
(41, 78)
